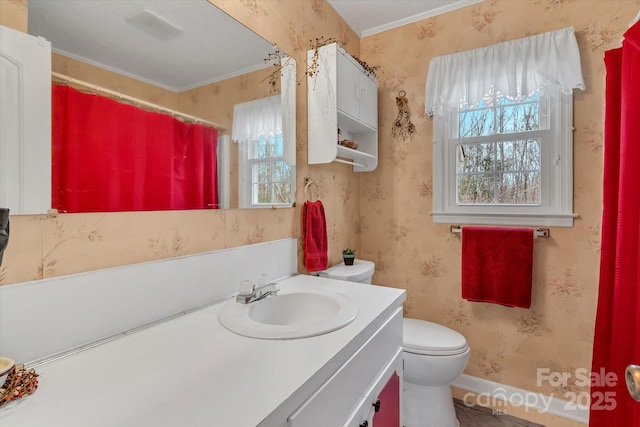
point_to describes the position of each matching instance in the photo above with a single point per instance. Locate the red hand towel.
(314, 234)
(497, 265)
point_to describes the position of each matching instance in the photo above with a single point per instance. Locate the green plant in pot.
(348, 255)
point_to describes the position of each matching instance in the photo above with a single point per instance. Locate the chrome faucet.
(249, 292)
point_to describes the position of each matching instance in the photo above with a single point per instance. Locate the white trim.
(419, 17)
(224, 166)
(539, 402)
(504, 218)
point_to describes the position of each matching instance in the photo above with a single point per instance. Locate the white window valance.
(261, 117)
(515, 69)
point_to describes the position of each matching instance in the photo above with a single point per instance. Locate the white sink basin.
(289, 315)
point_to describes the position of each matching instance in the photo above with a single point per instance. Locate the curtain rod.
(134, 101)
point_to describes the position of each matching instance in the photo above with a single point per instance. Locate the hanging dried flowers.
(402, 126)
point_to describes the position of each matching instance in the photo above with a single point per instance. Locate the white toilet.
(434, 356)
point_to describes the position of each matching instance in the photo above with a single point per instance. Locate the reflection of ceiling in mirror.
(174, 44)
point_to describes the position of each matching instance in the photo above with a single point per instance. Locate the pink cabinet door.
(388, 411)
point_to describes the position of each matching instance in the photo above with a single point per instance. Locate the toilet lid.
(422, 337)
(361, 269)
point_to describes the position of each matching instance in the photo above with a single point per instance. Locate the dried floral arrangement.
(402, 126)
(314, 68)
(278, 64)
(19, 383)
(368, 69)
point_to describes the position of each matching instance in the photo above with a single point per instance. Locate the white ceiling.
(181, 44)
(368, 17)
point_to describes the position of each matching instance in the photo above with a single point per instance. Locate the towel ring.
(308, 182)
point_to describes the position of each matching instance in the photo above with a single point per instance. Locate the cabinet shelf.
(353, 157)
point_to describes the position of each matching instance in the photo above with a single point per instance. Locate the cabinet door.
(25, 122)
(368, 101)
(348, 86)
(388, 404)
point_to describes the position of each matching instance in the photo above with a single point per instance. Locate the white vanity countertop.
(191, 371)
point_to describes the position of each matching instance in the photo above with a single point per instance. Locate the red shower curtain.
(109, 156)
(617, 330)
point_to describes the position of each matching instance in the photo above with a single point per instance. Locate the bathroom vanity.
(189, 370)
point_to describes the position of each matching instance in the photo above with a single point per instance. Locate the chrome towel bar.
(538, 232)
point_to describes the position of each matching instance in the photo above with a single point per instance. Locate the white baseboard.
(520, 397)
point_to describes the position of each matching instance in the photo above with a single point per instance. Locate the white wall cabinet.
(341, 95)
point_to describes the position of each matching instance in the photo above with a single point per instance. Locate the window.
(503, 135)
(265, 179)
(270, 175)
(505, 161)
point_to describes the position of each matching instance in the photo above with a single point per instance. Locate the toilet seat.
(428, 338)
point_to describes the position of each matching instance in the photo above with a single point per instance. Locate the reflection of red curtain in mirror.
(109, 156)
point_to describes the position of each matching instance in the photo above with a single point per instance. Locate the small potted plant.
(348, 255)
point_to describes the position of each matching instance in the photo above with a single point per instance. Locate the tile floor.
(477, 416)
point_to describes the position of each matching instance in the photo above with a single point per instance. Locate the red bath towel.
(497, 265)
(314, 234)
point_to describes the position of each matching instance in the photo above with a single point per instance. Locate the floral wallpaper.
(507, 344)
(385, 214)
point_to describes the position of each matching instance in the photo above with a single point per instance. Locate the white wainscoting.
(42, 318)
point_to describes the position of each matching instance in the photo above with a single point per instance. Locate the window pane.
(523, 187)
(498, 114)
(272, 182)
(281, 172)
(475, 188)
(476, 122)
(262, 193)
(474, 158)
(515, 164)
(261, 172)
(517, 118)
(282, 192)
(276, 146)
(523, 155)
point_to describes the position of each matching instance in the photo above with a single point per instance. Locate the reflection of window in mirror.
(265, 179)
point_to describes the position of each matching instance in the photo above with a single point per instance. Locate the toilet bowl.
(434, 356)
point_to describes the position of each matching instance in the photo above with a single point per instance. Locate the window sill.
(498, 218)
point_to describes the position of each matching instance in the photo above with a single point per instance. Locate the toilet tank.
(361, 271)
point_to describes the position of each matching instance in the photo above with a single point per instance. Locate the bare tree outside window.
(271, 175)
(498, 153)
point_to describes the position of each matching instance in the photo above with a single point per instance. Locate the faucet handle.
(246, 288)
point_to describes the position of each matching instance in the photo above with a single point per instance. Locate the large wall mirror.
(190, 57)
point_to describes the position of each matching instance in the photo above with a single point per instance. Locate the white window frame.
(556, 207)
